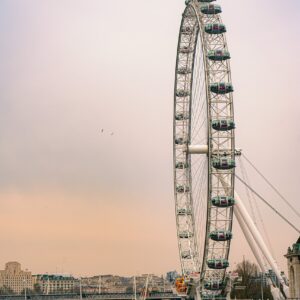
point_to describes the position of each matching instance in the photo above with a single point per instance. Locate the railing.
(102, 296)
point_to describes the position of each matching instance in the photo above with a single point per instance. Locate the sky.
(78, 200)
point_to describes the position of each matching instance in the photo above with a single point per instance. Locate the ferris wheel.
(204, 147)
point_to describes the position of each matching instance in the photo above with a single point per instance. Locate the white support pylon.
(251, 244)
(249, 239)
(242, 211)
(256, 252)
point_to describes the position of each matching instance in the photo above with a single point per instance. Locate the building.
(50, 284)
(171, 276)
(263, 278)
(119, 284)
(14, 279)
(103, 284)
(114, 284)
(293, 259)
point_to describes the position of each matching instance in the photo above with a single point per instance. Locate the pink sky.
(85, 202)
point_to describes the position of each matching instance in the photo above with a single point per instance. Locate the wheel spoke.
(203, 97)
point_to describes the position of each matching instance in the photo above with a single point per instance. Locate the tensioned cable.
(260, 218)
(272, 186)
(245, 177)
(267, 203)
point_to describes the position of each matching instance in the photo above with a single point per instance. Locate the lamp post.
(25, 296)
(100, 285)
(134, 288)
(80, 288)
(262, 285)
(48, 286)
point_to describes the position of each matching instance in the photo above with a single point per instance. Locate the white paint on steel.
(250, 240)
(240, 207)
(196, 181)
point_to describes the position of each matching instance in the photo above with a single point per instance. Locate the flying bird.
(102, 130)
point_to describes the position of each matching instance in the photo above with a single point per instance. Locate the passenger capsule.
(206, 1)
(221, 235)
(218, 264)
(185, 234)
(180, 141)
(215, 285)
(222, 201)
(224, 163)
(223, 125)
(182, 93)
(211, 9)
(181, 165)
(184, 71)
(186, 50)
(181, 116)
(218, 55)
(184, 211)
(221, 88)
(215, 28)
(182, 189)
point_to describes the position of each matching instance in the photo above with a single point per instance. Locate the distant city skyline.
(78, 200)
(14, 280)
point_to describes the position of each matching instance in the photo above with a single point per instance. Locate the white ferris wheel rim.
(194, 224)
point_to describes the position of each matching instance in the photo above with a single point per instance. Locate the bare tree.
(250, 280)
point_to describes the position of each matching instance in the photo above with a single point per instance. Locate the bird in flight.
(111, 133)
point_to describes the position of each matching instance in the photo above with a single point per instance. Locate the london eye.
(204, 147)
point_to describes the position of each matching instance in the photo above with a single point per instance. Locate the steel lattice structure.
(204, 146)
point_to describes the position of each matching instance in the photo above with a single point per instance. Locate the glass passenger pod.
(181, 165)
(223, 163)
(217, 264)
(221, 235)
(184, 212)
(218, 55)
(180, 285)
(215, 285)
(182, 189)
(185, 234)
(223, 201)
(181, 116)
(223, 125)
(186, 50)
(180, 141)
(221, 88)
(215, 28)
(182, 93)
(211, 9)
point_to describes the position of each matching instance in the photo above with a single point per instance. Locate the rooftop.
(54, 277)
(295, 250)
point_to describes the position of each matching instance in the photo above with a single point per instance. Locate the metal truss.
(197, 145)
